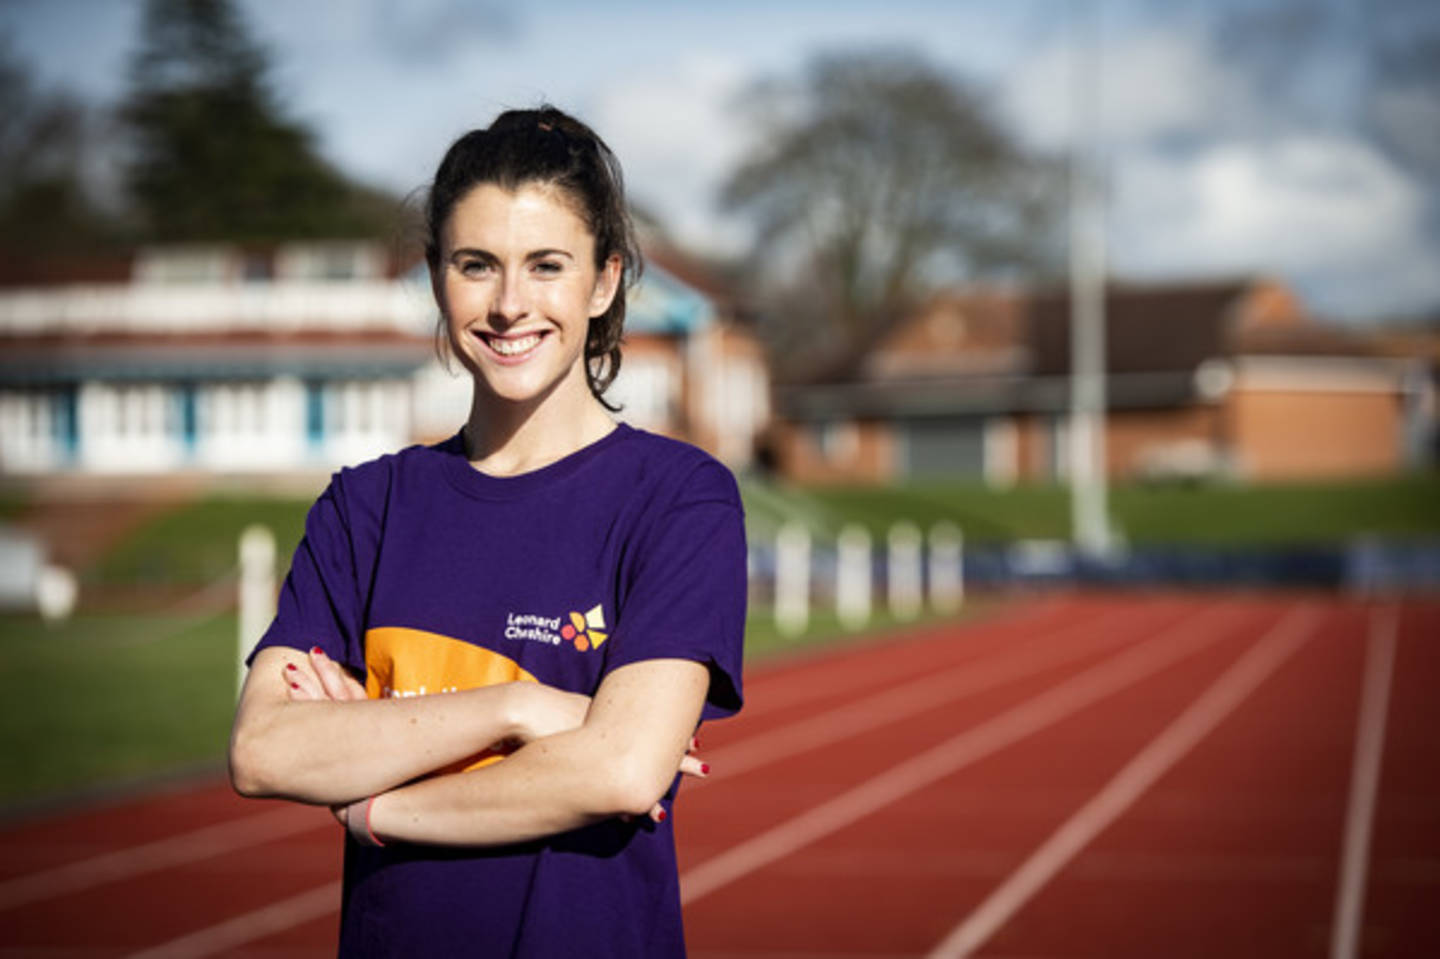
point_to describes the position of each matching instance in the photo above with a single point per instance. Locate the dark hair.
(551, 147)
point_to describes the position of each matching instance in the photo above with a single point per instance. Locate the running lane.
(893, 879)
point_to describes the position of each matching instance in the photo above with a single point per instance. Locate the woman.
(574, 588)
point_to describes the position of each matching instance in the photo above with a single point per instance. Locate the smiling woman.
(518, 287)
(575, 588)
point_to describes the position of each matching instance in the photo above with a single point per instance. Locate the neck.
(507, 439)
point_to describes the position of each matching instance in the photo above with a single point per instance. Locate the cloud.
(1155, 86)
(1334, 214)
(1213, 170)
(424, 31)
(678, 137)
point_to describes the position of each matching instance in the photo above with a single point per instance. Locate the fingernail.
(697, 742)
(294, 685)
(290, 666)
(661, 817)
(704, 769)
(317, 650)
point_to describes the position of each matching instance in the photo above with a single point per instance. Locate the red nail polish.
(661, 817)
(697, 742)
(290, 666)
(704, 769)
(317, 650)
(294, 685)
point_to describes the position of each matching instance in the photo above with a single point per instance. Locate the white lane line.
(778, 690)
(1218, 701)
(1036, 713)
(266, 921)
(164, 853)
(1364, 783)
(1077, 641)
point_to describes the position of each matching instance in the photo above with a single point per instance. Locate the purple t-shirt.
(427, 576)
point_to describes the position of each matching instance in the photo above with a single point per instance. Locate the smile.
(510, 347)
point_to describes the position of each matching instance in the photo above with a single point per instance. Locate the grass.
(197, 543)
(763, 641)
(1219, 514)
(106, 698)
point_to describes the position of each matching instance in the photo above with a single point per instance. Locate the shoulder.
(372, 482)
(676, 471)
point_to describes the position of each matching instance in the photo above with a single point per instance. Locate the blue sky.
(1243, 136)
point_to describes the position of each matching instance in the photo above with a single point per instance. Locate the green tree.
(44, 204)
(213, 157)
(878, 177)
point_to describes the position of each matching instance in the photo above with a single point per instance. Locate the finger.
(353, 687)
(694, 744)
(657, 813)
(300, 684)
(692, 766)
(332, 679)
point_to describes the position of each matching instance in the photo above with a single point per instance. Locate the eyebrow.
(465, 251)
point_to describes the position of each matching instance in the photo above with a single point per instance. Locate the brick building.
(1202, 379)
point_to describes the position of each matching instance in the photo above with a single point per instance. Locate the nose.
(509, 300)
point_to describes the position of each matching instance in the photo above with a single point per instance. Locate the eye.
(473, 268)
(549, 267)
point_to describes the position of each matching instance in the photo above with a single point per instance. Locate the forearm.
(549, 786)
(329, 752)
(620, 761)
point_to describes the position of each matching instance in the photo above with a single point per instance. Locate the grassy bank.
(111, 698)
(1231, 515)
(106, 697)
(196, 543)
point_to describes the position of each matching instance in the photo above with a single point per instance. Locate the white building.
(307, 356)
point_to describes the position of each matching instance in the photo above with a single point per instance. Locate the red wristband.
(357, 821)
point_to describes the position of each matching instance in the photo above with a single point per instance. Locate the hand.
(690, 765)
(324, 679)
(542, 711)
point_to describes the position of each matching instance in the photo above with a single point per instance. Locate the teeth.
(513, 347)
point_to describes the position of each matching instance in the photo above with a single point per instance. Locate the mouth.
(511, 347)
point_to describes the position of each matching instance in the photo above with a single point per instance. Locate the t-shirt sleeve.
(322, 600)
(685, 592)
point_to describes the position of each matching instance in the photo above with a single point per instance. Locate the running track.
(1158, 775)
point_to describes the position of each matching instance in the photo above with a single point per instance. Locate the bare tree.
(878, 176)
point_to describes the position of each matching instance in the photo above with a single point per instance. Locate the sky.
(1291, 138)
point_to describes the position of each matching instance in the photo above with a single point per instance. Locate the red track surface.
(1087, 776)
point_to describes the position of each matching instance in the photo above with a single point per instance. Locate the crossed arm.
(580, 760)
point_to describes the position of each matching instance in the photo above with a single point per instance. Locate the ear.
(437, 284)
(607, 284)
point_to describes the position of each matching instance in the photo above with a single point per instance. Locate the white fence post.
(905, 572)
(947, 568)
(792, 578)
(853, 576)
(257, 593)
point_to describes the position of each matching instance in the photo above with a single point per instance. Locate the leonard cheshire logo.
(584, 630)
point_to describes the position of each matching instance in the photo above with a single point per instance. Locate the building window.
(839, 441)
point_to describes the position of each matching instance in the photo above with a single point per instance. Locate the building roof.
(1148, 329)
(39, 361)
(979, 352)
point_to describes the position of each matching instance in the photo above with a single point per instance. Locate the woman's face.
(517, 285)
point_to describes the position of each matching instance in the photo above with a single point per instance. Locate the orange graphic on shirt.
(584, 630)
(402, 662)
